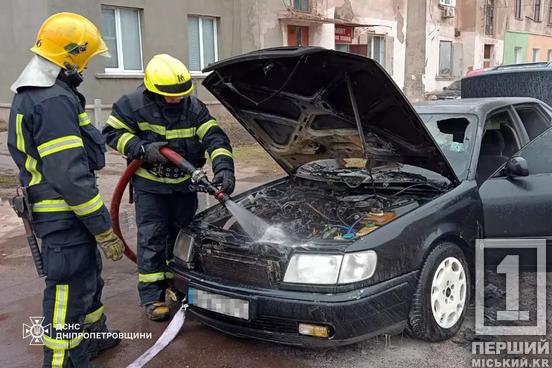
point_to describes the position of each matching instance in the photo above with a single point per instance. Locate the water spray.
(252, 224)
(198, 177)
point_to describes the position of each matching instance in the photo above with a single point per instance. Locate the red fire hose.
(120, 190)
(116, 203)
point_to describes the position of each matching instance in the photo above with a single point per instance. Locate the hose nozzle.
(198, 176)
(221, 196)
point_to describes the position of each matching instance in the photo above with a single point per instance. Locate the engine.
(309, 210)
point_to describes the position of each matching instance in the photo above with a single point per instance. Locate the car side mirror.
(516, 166)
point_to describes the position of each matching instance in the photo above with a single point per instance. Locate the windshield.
(454, 85)
(454, 133)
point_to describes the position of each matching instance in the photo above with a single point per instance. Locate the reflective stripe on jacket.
(51, 140)
(138, 118)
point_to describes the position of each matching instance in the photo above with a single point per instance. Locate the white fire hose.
(166, 337)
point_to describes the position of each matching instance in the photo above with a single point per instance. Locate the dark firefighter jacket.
(141, 117)
(57, 149)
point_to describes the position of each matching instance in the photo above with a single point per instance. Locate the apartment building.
(200, 32)
(423, 44)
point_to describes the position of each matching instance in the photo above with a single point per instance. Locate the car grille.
(240, 268)
(264, 323)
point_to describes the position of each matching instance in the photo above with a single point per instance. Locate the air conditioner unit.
(449, 12)
(447, 2)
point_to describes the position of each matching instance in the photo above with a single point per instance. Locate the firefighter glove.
(110, 244)
(151, 153)
(224, 179)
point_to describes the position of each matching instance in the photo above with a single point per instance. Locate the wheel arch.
(451, 234)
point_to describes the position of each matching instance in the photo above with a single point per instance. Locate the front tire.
(442, 295)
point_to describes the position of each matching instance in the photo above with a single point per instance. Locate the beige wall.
(526, 23)
(467, 32)
(543, 43)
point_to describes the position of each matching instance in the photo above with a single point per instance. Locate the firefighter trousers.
(159, 217)
(72, 297)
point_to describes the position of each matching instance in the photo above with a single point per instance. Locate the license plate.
(222, 304)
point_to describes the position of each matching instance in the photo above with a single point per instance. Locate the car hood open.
(298, 103)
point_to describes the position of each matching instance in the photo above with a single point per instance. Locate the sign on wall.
(343, 34)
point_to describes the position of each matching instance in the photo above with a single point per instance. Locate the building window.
(202, 42)
(549, 55)
(550, 13)
(536, 55)
(377, 49)
(359, 49)
(517, 9)
(537, 10)
(445, 58)
(343, 47)
(301, 5)
(488, 56)
(121, 32)
(489, 17)
(298, 35)
(517, 55)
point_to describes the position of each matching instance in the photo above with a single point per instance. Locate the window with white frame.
(122, 34)
(517, 9)
(518, 58)
(377, 49)
(447, 2)
(536, 55)
(445, 58)
(489, 17)
(537, 10)
(301, 5)
(202, 42)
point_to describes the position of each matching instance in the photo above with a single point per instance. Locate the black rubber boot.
(97, 346)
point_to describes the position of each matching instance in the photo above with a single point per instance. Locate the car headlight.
(313, 268)
(331, 269)
(357, 266)
(184, 248)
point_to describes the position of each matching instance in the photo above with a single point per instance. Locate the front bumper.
(275, 314)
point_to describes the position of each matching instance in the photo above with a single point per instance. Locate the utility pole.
(415, 49)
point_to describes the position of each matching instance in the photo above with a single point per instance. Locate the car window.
(500, 141)
(454, 133)
(534, 119)
(454, 85)
(538, 154)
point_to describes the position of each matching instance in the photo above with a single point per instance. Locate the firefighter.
(57, 150)
(162, 112)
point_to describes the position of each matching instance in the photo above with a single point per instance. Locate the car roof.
(477, 106)
(524, 66)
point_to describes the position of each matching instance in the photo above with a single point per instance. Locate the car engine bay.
(308, 210)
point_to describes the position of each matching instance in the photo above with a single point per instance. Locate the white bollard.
(98, 123)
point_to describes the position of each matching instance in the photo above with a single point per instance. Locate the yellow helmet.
(167, 76)
(69, 38)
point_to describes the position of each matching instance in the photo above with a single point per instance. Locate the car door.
(503, 135)
(521, 206)
(534, 117)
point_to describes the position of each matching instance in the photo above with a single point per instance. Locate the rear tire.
(442, 295)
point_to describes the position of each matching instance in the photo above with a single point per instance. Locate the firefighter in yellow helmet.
(57, 150)
(163, 112)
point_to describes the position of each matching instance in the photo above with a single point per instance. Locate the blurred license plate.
(222, 304)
